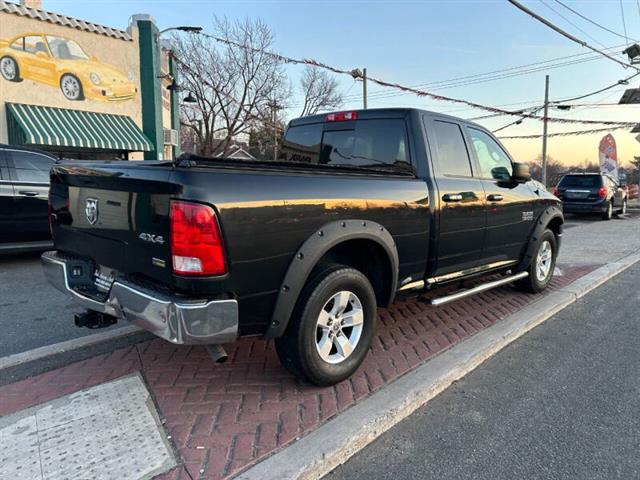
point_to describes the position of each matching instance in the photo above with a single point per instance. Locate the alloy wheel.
(71, 87)
(8, 68)
(544, 261)
(339, 327)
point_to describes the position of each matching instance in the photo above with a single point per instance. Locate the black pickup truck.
(358, 207)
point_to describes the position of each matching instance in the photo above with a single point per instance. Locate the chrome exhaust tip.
(217, 353)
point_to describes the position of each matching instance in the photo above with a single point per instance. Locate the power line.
(596, 23)
(572, 24)
(357, 74)
(562, 134)
(568, 35)
(624, 23)
(580, 97)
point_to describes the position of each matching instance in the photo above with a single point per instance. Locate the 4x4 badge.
(91, 210)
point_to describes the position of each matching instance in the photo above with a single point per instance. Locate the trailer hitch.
(92, 319)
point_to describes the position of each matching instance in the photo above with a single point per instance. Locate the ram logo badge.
(91, 210)
(150, 237)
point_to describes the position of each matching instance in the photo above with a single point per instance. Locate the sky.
(426, 42)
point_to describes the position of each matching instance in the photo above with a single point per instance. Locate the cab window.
(453, 156)
(494, 162)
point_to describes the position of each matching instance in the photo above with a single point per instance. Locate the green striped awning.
(38, 125)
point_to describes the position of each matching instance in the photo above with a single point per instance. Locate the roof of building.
(63, 20)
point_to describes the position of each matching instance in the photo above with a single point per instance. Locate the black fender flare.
(549, 214)
(312, 250)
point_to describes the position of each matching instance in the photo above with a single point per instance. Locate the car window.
(585, 181)
(364, 143)
(453, 156)
(492, 158)
(30, 44)
(31, 167)
(65, 49)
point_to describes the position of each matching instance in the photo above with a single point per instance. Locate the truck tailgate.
(115, 214)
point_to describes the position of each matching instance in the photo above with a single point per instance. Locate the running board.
(436, 302)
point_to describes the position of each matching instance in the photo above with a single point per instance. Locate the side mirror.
(521, 173)
(501, 174)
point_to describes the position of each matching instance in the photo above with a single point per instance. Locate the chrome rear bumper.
(176, 319)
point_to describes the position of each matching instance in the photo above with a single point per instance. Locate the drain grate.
(110, 431)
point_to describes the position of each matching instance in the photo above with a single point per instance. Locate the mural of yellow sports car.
(61, 62)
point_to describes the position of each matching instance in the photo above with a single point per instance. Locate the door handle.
(452, 197)
(28, 193)
(495, 197)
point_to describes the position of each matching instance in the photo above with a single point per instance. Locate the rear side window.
(363, 144)
(584, 181)
(453, 156)
(31, 167)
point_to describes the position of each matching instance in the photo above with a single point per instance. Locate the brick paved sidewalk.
(222, 418)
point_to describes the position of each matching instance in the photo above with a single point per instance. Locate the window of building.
(453, 156)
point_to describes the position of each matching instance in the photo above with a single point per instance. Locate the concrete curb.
(316, 454)
(67, 346)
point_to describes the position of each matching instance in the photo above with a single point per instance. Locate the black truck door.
(6, 202)
(30, 176)
(461, 209)
(510, 206)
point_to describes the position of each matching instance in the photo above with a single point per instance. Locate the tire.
(71, 87)
(536, 282)
(623, 210)
(9, 69)
(608, 214)
(313, 326)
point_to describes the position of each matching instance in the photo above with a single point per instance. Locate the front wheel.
(542, 264)
(71, 87)
(623, 209)
(331, 328)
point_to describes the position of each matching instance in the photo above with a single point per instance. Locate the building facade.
(83, 90)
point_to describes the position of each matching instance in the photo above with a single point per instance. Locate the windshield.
(65, 49)
(586, 181)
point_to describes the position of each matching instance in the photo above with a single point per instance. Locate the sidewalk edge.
(332, 444)
(66, 346)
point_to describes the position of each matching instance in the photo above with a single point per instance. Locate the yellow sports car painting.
(61, 62)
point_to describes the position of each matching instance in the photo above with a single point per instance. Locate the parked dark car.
(359, 207)
(24, 190)
(592, 193)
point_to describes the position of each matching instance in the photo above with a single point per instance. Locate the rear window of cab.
(376, 143)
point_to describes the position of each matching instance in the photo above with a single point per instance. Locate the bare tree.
(233, 86)
(320, 91)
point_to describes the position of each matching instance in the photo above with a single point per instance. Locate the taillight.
(342, 116)
(556, 192)
(196, 242)
(602, 193)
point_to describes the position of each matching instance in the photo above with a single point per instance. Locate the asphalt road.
(562, 402)
(32, 313)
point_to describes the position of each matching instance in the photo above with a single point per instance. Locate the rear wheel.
(331, 328)
(542, 264)
(9, 69)
(608, 213)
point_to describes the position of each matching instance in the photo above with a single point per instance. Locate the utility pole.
(364, 88)
(544, 130)
(274, 119)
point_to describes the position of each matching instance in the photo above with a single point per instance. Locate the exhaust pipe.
(217, 353)
(92, 319)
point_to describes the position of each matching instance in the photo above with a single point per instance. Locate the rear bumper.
(584, 207)
(176, 319)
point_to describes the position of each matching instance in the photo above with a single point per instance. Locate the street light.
(189, 99)
(181, 28)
